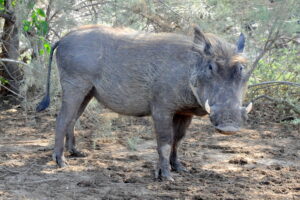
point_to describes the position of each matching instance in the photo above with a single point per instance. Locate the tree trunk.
(10, 49)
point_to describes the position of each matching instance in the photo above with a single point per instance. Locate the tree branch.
(13, 92)
(90, 5)
(275, 82)
(13, 61)
(48, 10)
(9, 74)
(154, 18)
(55, 33)
(267, 46)
(168, 7)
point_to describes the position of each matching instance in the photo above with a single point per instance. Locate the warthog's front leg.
(164, 134)
(180, 125)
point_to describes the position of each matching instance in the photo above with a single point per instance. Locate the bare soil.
(261, 162)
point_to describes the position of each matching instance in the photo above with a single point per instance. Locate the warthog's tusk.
(207, 107)
(249, 107)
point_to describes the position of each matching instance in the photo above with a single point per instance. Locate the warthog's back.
(124, 66)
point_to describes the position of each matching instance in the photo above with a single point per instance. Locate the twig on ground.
(4, 175)
(11, 171)
(35, 182)
(19, 172)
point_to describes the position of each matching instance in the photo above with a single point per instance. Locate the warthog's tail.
(46, 100)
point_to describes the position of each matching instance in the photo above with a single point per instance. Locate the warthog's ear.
(199, 38)
(240, 45)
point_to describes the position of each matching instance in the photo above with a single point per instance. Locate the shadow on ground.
(261, 162)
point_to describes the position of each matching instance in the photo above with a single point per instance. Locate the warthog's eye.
(241, 67)
(238, 69)
(210, 69)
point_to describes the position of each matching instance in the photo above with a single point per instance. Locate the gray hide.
(136, 74)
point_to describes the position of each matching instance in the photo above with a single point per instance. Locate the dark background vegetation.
(261, 162)
(272, 27)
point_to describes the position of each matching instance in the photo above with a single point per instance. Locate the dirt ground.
(261, 162)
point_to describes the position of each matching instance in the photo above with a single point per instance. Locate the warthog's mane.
(224, 53)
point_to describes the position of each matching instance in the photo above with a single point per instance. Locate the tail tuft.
(43, 104)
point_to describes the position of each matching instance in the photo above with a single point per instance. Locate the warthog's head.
(219, 81)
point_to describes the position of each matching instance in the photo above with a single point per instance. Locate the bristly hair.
(238, 58)
(224, 52)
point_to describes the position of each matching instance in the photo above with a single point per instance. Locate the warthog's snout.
(227, 130)
(227, 120)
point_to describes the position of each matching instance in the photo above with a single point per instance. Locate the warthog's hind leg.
(70, 138)
(72, 98)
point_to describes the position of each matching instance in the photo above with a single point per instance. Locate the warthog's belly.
(122, 99)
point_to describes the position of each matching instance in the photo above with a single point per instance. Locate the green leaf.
(13, 3)
(42, 27)
(40, 12)
(34, 17)
(2, 5)
(47, 47)
(41, 51)
(3, 80)
(26, 25)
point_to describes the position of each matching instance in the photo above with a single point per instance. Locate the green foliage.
(281, 62)
(46, 46)
(2, 7)
(40, 12)
(283, 67)
(26, 26)
(37, 23)
(3, 80)
(224, 18)
(14, 3)
(2, 4)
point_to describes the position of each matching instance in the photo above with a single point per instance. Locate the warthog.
(168, 76)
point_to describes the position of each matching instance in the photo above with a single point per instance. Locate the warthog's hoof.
(60, 161)
(178, 167)
(76, 153)
(163, 175)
